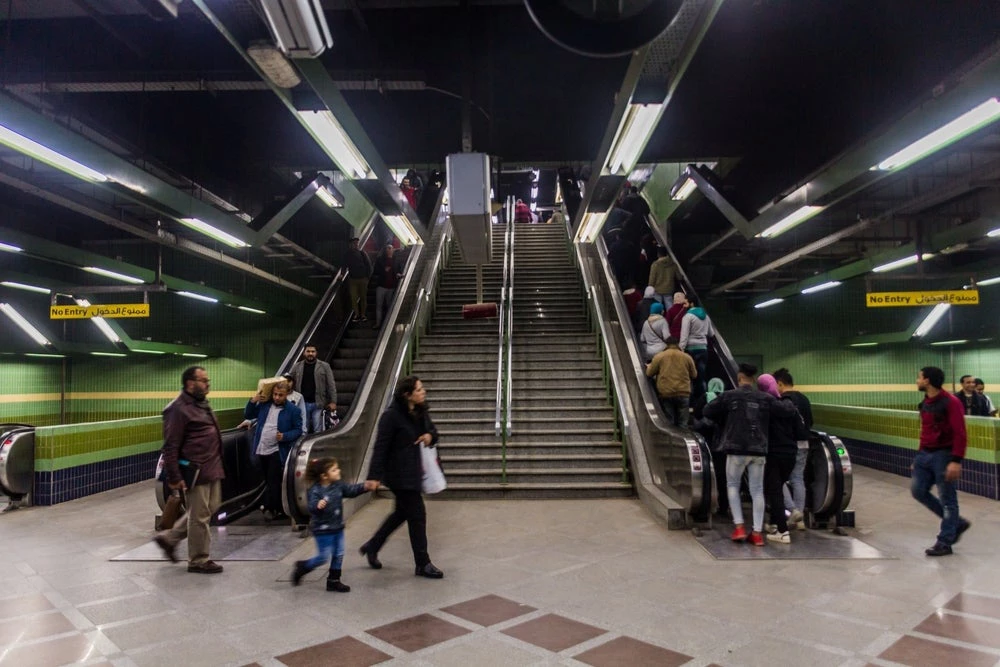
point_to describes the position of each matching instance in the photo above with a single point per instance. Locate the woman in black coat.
(402, 429)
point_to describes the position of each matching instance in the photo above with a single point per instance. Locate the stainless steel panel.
(17, 460)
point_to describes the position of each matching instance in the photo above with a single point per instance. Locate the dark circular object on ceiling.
(602, 36)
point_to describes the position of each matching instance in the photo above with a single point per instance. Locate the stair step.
(534, 491)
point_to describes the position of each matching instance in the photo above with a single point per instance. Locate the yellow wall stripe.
(113, 395)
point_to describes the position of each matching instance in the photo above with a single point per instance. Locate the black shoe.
(168, 549)
(939, 549)
(334, 584)
(373, 561)
(208, 567)
(963, 526)
(429, 571)
(300, 571)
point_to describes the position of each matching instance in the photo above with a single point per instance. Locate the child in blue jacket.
(326, 496)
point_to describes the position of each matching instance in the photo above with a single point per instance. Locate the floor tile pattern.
(628, 651)
(418, 632)
(488, 610)
(554, 632)
(343, 652)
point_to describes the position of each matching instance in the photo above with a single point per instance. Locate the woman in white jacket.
(654, 333)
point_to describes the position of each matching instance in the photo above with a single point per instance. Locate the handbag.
(173, 509)
(433, 480)
(330, 419)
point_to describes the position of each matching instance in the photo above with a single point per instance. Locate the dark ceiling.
(781, 86)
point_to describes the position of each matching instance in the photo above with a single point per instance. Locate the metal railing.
(501, 331)
(508, 376)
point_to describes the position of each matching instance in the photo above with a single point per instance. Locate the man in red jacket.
(191, 432)
(939, 459)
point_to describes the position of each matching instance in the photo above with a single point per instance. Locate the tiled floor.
(527, 583)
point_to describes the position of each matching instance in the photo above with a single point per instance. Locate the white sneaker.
(795, 517)
(800, 525)
(770, 528)
(783, 538)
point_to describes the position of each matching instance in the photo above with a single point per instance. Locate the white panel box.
(469, 204)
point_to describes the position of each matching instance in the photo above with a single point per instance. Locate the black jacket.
(786, 431)
(803, 405)
(396, 461)
(745, 416)
(975, 405)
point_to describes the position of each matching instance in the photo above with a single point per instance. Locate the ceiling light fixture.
(26, 288)
(109, 354)
(209, 230)
(100, 323)
(967, 123)
(634, 131)
(961, 341)
(932, 318)
(789, 221)
(45, 356)
(194, 355)
(199, 297)
(768, 303)
(330, 197)
(44, 154)
(336, 143)
(10, 248)
(994, 233)
(148, 351)
(26, 326)
(273, 64)
(298, 26)
(821, 287)
(900, 263)
(591, 226)
(401, 227)
(863, 344)
(682, 192)
(113, 274)
(988, 281)
(248, 309)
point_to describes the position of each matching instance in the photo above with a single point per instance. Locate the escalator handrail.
(329, 296)
(717, 342)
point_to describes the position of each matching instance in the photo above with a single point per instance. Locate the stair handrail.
(501, 332)
(508, 401)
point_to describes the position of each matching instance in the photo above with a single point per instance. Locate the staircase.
(350, 359)
(457, 361)
(563, 443)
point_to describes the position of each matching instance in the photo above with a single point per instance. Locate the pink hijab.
(767, 384)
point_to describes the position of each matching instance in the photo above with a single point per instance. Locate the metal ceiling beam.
(74, 201)
(673, 52)
(196, 86)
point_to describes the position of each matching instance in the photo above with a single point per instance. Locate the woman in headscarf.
(708, 429)
(654, 333)
(675, 315)
(782, 447)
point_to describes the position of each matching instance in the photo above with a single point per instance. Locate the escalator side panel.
(17, 461)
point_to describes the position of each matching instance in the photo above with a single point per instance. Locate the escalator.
(677, 463)
(17, 463)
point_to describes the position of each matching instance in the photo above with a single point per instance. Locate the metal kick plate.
(806, 545)
(246, 543)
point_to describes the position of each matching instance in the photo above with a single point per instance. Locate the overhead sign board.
(113, 310)
(904, 299)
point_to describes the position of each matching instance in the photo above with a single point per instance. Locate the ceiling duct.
(469, 202)
(602, 28)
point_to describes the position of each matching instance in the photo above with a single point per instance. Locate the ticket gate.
(17, 463)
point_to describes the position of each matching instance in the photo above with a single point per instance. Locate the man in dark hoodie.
(795, 491)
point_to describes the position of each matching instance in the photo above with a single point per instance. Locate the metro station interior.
(180, 185)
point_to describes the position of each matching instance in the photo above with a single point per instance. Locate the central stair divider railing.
(501, 330)
(508, 376)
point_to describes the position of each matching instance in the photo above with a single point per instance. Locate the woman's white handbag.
(433, 480)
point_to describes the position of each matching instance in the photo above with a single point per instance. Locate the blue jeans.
(754, 465)
(795, 490)
(700, 358)
(329, 545)
(314, 418)
(929, 470)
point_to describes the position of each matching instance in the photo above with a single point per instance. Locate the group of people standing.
(386, 271)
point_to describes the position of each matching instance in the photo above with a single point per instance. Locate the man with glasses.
(191, 433)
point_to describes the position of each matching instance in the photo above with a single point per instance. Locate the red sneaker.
(739, 535)
(756, 539)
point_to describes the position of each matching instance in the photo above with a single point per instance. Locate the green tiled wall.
(901, 428)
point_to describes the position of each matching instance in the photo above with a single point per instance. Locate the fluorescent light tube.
(248, 309)
(821, 287)
(336, 143)
(101, 323)
(683, 192)
(26, 326)
(863, 344)
(768, 303)
(199, 297)
(112, 274)
(633, 133)
(209, 230)
(789, 221)
(400, 226)
(328, 197)
(937, 312)
(44, 356)
(148, 351)
(994, 233)
(10, 248)
(988, 281)
(108, 354)
(194, 355)
(951, 342)
(48, 156)
(900, 263)
(298, 26)
(26, 288)
(591, 226)
(967, 123)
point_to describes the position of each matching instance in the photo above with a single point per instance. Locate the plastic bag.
(433, 480)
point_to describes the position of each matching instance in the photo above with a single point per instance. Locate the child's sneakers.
(756, 539)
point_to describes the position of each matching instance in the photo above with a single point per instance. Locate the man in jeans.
(939, 459)
(795, 491)
(673, 371)
(190, 431)
(744, 414)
